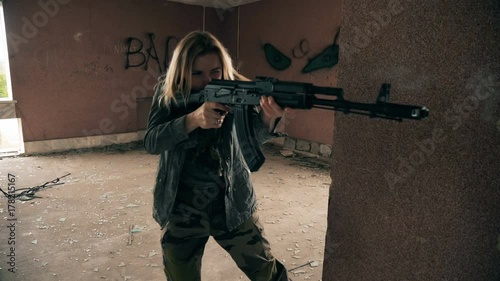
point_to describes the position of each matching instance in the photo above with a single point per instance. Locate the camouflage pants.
(193, 221)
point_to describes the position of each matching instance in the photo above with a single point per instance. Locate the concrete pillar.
(418, 200)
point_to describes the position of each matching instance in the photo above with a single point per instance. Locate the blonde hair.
(177, 79)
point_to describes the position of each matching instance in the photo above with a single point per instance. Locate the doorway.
(11, 137)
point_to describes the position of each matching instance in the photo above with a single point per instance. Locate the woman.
(203, 185)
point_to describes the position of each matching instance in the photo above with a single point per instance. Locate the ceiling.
(221, 4)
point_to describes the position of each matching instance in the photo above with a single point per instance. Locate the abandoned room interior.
(387, 168)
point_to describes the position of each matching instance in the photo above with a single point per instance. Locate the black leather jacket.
(166, 136)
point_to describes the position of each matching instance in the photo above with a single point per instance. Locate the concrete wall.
(224, 25)
(68, 61)
(409, 201)
(285, 26)
(418, 200)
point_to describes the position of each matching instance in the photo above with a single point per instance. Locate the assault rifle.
(240, 94)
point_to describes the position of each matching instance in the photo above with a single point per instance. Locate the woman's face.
(205, 68)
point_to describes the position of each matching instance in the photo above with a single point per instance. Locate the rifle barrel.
(329, 91)
(379, 109)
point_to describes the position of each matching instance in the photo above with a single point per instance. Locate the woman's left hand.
(270, 111)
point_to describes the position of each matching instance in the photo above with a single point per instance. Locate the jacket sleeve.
(165, 130)
(262, 132)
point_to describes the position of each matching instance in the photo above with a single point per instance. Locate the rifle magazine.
(246, 136)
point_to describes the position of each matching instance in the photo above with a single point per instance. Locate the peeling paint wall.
(418, 200)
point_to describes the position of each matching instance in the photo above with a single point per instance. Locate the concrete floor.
(98, 224)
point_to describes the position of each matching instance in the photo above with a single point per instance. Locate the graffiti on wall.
(328, 58)
(275, 58)
(141, 54)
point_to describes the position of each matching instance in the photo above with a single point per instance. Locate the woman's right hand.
(209, 115)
